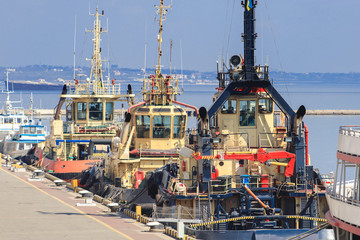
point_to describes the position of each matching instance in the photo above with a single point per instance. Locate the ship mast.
(249, 37)
(96, 76)
(161, 11)
(159, 89)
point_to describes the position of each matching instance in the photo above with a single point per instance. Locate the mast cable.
(223, 42)
(74, 47)
(231, 20)
(277, 52)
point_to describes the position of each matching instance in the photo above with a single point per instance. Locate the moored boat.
(152, 133)
(29, 136)
(343, 195)
(84, 137)
(12, 117)
(246, 171)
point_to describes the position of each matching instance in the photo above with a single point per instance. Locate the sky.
(293, 35)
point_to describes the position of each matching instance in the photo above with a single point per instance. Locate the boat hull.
(67, 169)
(262, 234)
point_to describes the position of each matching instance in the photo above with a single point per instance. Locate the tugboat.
(153, 129)
(343, 196)
(246, 172)
(152, 133)
(84, 138)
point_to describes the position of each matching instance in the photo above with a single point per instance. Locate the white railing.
(90, 88)
(349, 140)
(353, 130)
(346, 197)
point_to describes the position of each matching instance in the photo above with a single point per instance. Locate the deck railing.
(99, 89)
(341, 197)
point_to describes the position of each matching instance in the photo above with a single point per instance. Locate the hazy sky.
(294, 35)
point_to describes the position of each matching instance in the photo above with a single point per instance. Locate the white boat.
(343, 196)
(11, 118)
(29, 136)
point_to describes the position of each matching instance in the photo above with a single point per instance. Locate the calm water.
(323, 130)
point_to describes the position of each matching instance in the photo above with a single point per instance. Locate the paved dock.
(41, 210)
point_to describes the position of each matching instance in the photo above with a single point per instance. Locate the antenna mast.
(96, 62)
(161, 11)
(74, 45)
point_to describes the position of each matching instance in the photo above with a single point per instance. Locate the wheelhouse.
(159, 127)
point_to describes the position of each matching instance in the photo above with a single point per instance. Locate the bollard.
(113, 207)
(138, 212)
(74, 184)
(180, 230)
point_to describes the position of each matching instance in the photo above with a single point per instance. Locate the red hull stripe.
(337, 223)
(68, 166)
(348, 158)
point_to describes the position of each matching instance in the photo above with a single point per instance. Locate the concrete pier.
(333, 112)
(42, 211)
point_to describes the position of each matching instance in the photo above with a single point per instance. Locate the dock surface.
(41, 210)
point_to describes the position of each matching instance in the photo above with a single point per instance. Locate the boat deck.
(41, 210)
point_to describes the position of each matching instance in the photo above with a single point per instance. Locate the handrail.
(340, 197)
(350, 130)
(258, 217)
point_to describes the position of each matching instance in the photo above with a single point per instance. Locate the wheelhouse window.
(9, 120)
(81, 111)
(161, 126)
(142, 126)
(19, 120)
(247, 112)
(109, 111)
(265, 105)
(33, 130)
(95, 111)
(229, 107)
(39, 131)
(179, 126)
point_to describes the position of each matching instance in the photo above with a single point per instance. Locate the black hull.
(262, 234)
(67, 176)
(16, 86)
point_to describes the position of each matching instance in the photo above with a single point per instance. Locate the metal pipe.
(307, 144)
(61, 102)
(136, 105)
(278, 164)
(187, 105)
(266, 207)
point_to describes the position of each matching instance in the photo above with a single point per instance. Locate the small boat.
(12, 117)
(343, 195)
(29, 136)
(84, 137)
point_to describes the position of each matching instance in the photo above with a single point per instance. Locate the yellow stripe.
(61, 201)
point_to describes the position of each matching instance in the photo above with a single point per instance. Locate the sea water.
(323, 130)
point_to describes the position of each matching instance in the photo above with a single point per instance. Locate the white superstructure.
(344, 195)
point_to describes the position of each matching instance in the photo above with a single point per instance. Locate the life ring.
(113, 82)
(76, 81)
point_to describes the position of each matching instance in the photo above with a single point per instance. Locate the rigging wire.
(277, 52)
(223, 42)
(74, 47)
(231, 20)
